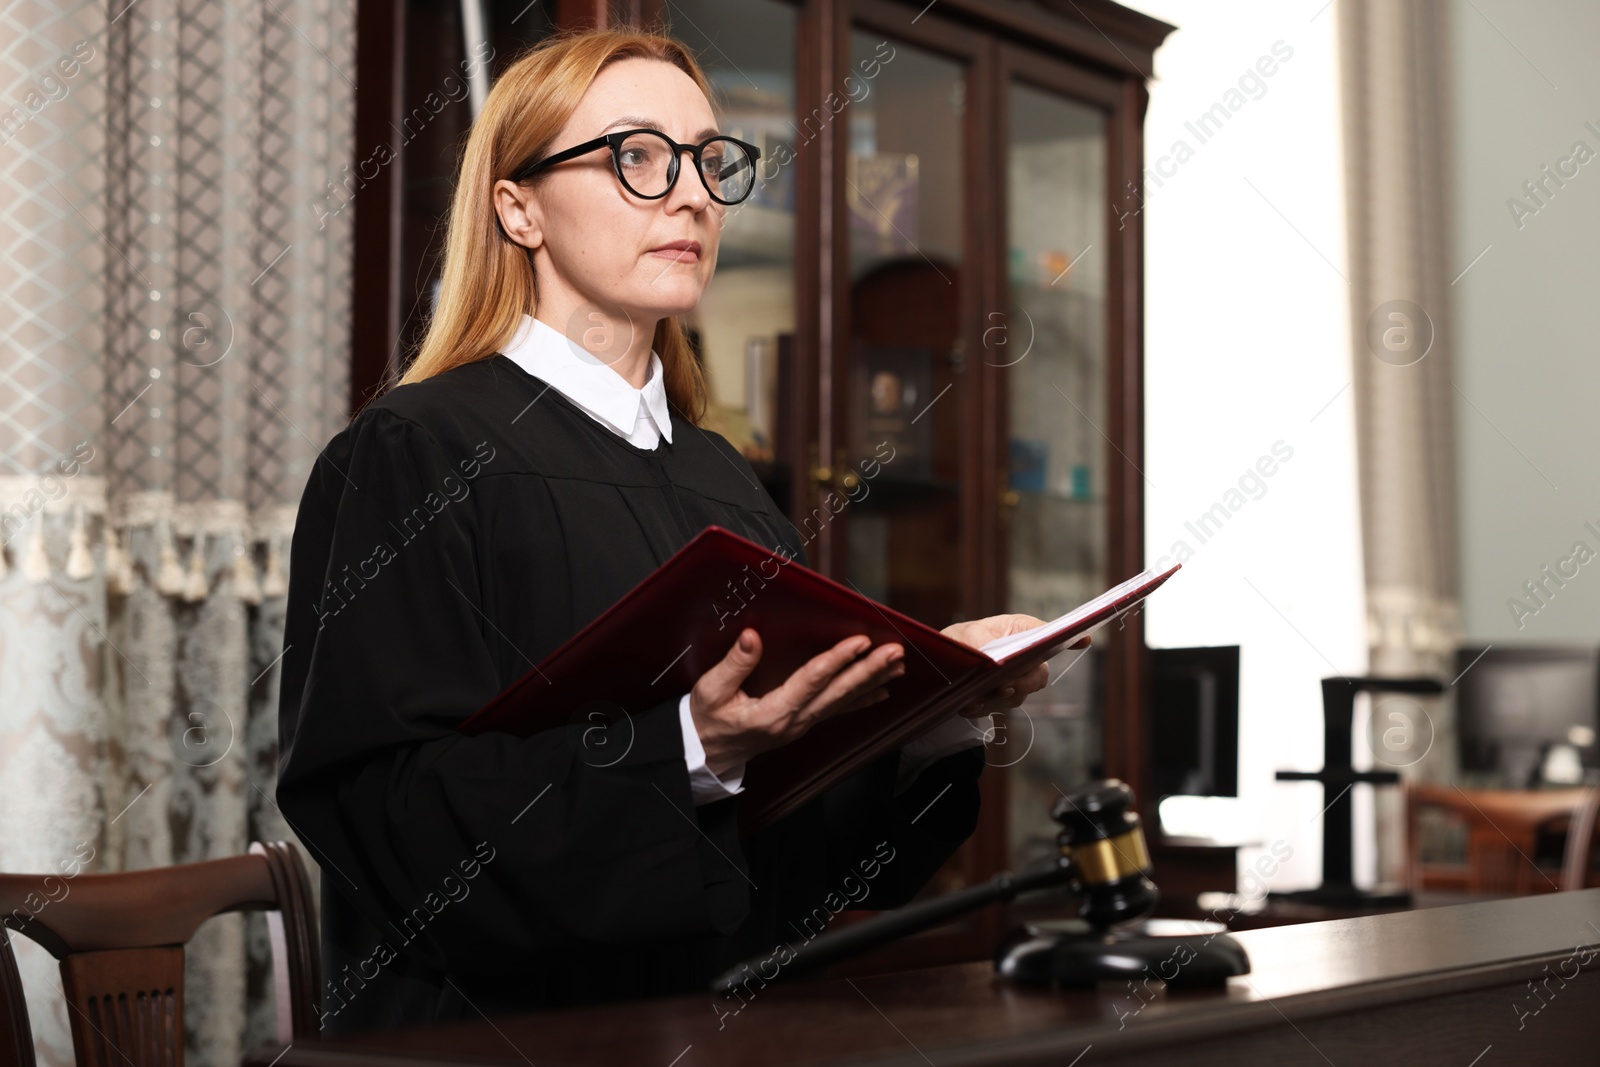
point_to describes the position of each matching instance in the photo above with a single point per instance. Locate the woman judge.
(541, 456)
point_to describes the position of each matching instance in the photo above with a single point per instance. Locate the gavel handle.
(836, 945)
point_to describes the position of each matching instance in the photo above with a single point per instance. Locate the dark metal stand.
(1338, 772)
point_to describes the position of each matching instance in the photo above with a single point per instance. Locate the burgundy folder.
(654, 643)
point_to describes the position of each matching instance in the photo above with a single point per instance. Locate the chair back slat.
(120, 938)
(16, 1036)
(126, 1006)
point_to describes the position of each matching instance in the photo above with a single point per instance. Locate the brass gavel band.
(1110, 858)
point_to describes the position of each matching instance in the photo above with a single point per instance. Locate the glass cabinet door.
(1056, 501)
(747, 49)
(903, 446)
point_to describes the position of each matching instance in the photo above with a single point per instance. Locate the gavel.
(1103, 857)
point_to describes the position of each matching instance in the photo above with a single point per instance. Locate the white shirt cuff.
(704, 786)
(952, 735)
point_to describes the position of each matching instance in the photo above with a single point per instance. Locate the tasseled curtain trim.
(200, 549)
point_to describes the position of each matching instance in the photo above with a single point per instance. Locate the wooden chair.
(1577, 866)
(1503, 831)
(120, 939)
(16, 1038)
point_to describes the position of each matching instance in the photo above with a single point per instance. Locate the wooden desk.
(1441, 986)
(1503, 827)
(1048, 907)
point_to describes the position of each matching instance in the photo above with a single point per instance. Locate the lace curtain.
(174, 288)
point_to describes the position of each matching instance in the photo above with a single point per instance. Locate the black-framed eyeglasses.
(647, 163)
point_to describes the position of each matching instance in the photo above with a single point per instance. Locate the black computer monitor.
(1513, 703)
(1195, 728)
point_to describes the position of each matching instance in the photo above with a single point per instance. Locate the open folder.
(676, 624)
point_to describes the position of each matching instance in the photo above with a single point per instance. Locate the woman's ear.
(520, 213)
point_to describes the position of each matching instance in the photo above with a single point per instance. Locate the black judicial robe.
(455, 533)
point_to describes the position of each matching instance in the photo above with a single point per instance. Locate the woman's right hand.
(734, 727)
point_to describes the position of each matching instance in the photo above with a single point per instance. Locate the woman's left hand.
(980, 632)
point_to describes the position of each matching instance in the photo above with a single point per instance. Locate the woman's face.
(596, 245)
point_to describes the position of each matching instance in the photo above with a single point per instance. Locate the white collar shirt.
(638, 415)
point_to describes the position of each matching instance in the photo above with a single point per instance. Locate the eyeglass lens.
(647, 163)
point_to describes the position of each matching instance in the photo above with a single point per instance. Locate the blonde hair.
(488, 279)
